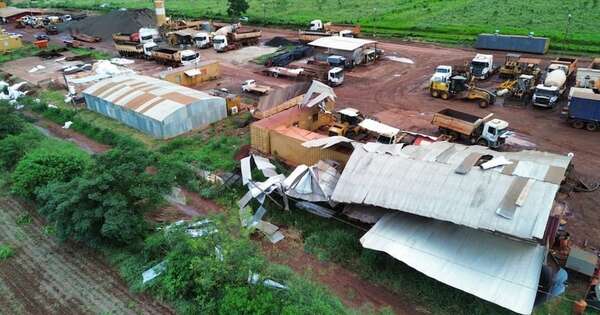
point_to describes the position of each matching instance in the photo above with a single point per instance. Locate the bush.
(14, 147)
(5, 251)
(11, 122)
(55, 161)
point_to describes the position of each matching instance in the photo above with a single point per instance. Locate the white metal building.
(156, 107)
(354, 49)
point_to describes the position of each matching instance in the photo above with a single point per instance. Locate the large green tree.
(51, 162)
(106, 204)
(236, 8)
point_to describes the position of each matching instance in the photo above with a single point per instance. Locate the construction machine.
(347, 125)
(511, 69)
(483, 131)
(459, 87)
(521, 88)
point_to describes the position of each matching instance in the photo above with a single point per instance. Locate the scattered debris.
(400, 59)
(11, 92)
(36, 68)
(254, 278)
(154, 272)
(315, 209)
(67, 124)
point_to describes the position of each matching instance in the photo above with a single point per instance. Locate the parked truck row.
(142, 45)
(318, 29)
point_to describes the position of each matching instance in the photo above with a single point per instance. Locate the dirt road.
(45, 277)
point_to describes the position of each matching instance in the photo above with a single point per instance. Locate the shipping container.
(516, 43)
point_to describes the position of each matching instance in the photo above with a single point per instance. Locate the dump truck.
(483, 131)
(283, 72)
(458, 87)
(324, 72)
(250, 86)
(86, 38)
(133, 50)
(511, 69)
(236, 38)
(589, 77)
(482, 66)
(555, 82)
(144, 35)
(347, 125)
(583, 109)
(175, 58)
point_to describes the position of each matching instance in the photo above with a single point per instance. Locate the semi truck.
(554, 86)
(175, 58)
(133, 50)
(483, 131)
(318, 29)
(482, 66)
(333, 77)
(236, 38)
(202, 40)
(583, 109)
(144, 35)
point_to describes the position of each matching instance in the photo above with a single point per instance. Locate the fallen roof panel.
(422, 180)
(496, 269)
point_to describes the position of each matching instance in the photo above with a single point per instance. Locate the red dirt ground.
(348, 286)
(47, 277)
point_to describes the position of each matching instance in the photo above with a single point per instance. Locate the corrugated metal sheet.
(496, 269)
(419, 181)
(341, 43)
(156, 107)
(527, 44)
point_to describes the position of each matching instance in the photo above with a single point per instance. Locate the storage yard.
(467, 171)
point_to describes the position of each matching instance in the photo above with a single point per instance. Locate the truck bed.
(459, 115)
(456, 121)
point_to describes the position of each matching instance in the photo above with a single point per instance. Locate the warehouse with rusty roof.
(156, 107)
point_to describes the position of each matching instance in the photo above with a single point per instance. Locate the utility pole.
(568, 26)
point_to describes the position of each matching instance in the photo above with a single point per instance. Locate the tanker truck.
(554, 86)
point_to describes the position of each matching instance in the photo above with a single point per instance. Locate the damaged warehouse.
(158, 108)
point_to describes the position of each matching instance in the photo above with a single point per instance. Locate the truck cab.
(441, 74)
(147, 35)
(148, 48)
(202, 40)
(482, 66)
(346, 33)
(189, 57)
(220, 43)
(335, 76)
(494, 133)
(316, 25)
(545, 96)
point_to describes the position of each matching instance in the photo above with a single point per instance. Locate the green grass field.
(450, 21)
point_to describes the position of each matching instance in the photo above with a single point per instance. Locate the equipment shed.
(156, 107)
(354, 50)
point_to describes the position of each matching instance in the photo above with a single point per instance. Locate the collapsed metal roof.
(496, 269)
(441, 181)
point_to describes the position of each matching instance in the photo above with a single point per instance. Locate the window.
(492, 130)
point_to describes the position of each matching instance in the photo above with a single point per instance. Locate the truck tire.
(435, 93)
(483, 143)
(483, 104)
(591, 126)
(444, 96)
(577, 124)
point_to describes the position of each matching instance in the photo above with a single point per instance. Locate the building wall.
(210, 71)
(193, 116)
(9, 43)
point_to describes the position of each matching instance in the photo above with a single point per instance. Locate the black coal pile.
(117, 21)
(281, 41)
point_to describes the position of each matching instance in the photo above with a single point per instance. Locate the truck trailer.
(132, 50)
(583, 109)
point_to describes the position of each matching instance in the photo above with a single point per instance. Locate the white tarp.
(499, 270)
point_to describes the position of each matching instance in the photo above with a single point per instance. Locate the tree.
(107, 204)
(11, 122)
(14, 147)
(54, 161)
(237, 8)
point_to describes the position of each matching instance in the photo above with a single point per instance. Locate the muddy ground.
(46, 277)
